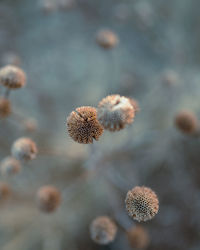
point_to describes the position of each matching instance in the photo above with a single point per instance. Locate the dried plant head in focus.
(10, 166)
(187, 122)
(138, 237)
(142, 203)
(103, 230)
(5, 191)
(48, 199)
(5, 107)
(24, 149)
(107, 39)
(12, 77)
(115, 112)
(83, 126)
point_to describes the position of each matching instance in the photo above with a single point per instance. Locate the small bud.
(107, 39)
(5, 191)
(5, 107)
(103, 230)
(138, 237)
(10, 166)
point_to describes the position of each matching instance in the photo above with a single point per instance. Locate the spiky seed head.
(115, 112)
(12, 77)
(187, 122)
(138, 237)
(103, 230)
(5, 107)
(107, 39)
(141, 203)
(83, 126)
(48, 199)
(10, 166)
(5, 191)
(24, 149)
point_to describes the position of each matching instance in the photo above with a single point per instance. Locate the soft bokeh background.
(157, 63)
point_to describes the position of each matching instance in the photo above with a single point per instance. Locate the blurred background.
(157, 63)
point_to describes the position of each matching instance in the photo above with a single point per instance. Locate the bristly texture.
(12, 77)
(5, 191)
(107, 39)
(142, 203)
(10, 166)
(138, 237)
(83, 126)
(5, 107)
(24, 149)
(115, 112)
(103, 230)
(187, 122)
(48, 199)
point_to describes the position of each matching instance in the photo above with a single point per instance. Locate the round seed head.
(103, 230)
(31, 125)
(24, 149)
(12, 77)
(48, 199)
(138, 237)
(5, 107)
(115, 112)
(10, 166)
(83, 126)
(5, 191)
(187, 122)
(141, 203)
(107, 39)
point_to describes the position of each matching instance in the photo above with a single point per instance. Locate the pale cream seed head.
(107, 39)
(10, 166)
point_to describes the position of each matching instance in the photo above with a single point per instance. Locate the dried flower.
(10, 166)
(187, 122)
(5, 107)
(12, 77)
(103, 230)
(48, 199)
(107, 39)
(24, 149)
(115, 112)
(142, 203)
(138, 237)
(83, 125)
(5, 191)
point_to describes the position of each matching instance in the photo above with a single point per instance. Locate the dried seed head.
(103, 230)
(5, 107)
(48, 199)
(12, 77)
(24, 149)
(83, 125)
(141, 203)
(31, 125)
(10, 166)
(135, 105)
(5, 191)
(115, 112)
(138, 237)
(187, 122)
(107, 39)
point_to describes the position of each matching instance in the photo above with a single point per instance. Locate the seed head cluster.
(138, 237)
(5, 107)
(107, 39)
(10, 166)
(141, 203)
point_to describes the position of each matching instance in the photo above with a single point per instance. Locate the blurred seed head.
(107, 39)
(83, 126)
(31, 125)
(5, 107)
(66, 4)
(12, 77)
(142, 203)
(170, 78)
(115, 112)
(48, 6)
(48, 199)
(5, 191)
(24, 149)
(138, 237)
(10, 166)
(103, 230)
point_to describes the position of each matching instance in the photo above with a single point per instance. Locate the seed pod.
(5, 107)
(115, 112)
(107, 39)
(5, 191)
(138, 237)
(83, 126)
(24, 149)
(141, 203)
(10, 166)
(12, 77)
(48, 199)
(103, 230)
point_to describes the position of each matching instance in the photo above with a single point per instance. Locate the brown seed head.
(24, 149)
(48, 199)
(5, 107)
(115, 112)
(138, 237)
(83, 126)
(107, 39)
(10, 166)
(12, 77)
(187, 122)
(31, 125)
(5, 191)
(103, 230)
(141, 203)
